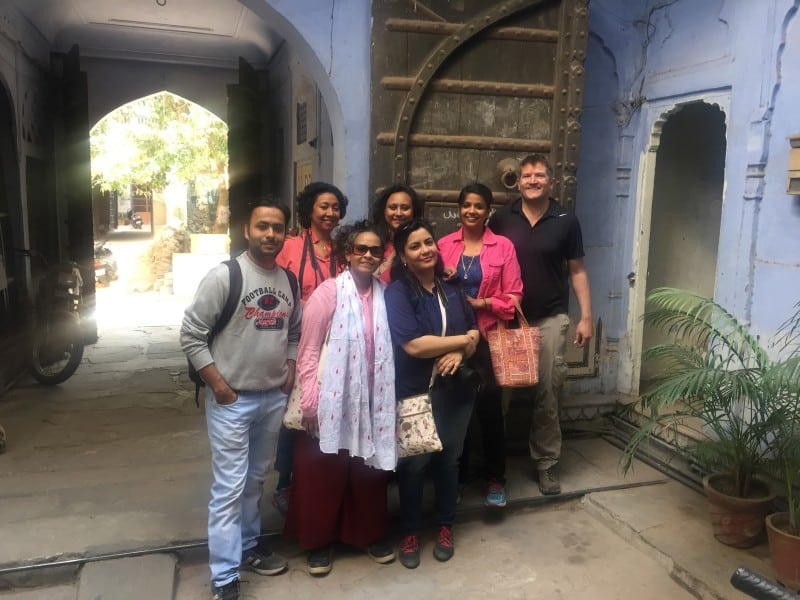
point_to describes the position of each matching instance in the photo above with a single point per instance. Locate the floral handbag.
(416, 429)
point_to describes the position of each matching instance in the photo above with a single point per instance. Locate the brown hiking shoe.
(549, 484)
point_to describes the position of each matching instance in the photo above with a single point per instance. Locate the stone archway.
(680, 210)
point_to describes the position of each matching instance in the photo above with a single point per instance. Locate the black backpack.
(234, 292)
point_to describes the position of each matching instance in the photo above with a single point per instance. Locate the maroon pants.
(334, 497)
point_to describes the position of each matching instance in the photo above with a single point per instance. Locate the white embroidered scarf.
(345, 418)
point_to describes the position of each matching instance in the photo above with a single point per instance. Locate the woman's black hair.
(307, 198)
(476, 188)
(399, 270)
(378, 212)
(345, 236)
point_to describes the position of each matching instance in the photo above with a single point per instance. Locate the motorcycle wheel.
(57, 348)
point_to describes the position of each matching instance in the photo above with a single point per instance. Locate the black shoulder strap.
(292, 283)
(232, 301)
(234, 293)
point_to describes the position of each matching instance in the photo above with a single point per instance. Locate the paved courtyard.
(116, 460)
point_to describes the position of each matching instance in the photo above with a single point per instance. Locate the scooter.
(134, 219)
(105, 266)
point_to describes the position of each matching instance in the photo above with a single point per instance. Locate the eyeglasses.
(362, 249)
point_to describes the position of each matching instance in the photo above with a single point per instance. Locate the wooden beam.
(489, 88)
(523, 34)
(474, 142)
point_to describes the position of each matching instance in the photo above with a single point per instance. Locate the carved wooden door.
(458, 86)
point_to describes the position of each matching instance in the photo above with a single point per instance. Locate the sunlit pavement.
(117, 306)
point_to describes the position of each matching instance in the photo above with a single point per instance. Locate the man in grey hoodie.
(249, 373)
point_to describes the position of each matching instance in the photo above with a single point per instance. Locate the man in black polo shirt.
(550, 252)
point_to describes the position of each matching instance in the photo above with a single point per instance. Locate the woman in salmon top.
(310, 255)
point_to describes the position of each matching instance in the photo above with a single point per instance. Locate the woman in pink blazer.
(486, 266)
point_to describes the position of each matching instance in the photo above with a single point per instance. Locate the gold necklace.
(465, 267)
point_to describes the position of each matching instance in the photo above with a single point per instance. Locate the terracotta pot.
(737, 522)
(785, 551)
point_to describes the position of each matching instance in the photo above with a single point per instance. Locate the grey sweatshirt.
(251, 352)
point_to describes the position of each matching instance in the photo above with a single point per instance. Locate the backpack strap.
(232, 300)
(293, 283)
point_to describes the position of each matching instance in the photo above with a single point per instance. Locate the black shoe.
(320, 561)
(409, 552)
(263, 562)
(444, 548)
(229, 591)
(549, 484)
(381, 552)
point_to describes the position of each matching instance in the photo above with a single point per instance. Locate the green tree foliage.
(148, 142)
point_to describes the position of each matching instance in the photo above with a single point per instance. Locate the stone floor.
(116, 459)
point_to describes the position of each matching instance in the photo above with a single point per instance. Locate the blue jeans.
(243, 436)
(452, 409)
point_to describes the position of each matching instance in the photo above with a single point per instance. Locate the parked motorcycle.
(105, 265)
(134, 219)
(58, 341)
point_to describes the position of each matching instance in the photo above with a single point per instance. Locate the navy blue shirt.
(413, 315)
(543, 251)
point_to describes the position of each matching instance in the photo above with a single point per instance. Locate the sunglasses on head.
(362, 249)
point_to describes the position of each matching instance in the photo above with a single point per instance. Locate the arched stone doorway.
(686, 206)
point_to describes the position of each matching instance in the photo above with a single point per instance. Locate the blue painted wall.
(643, 63)
(333, 40)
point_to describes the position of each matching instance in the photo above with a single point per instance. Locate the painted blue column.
(333, 40)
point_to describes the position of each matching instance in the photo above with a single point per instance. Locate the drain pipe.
(616, 437)
(520, 503)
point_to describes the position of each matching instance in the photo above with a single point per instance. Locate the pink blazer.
(501, 275)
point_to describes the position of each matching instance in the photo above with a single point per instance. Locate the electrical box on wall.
(793, 186)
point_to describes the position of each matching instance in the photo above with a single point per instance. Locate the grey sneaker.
(320, 561)
(381, 552)
(409, 552)
(229, 591)
(263, 562)
(444, 548)
(549, 484)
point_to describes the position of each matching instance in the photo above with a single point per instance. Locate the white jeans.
(243, 436)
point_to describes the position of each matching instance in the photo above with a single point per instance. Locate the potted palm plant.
(715, 373)
(783, 528)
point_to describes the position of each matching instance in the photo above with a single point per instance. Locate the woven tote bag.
(515, 353)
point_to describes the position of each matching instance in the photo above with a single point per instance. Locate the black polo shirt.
(542, 251)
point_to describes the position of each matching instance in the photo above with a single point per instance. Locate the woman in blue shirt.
(416, 302)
